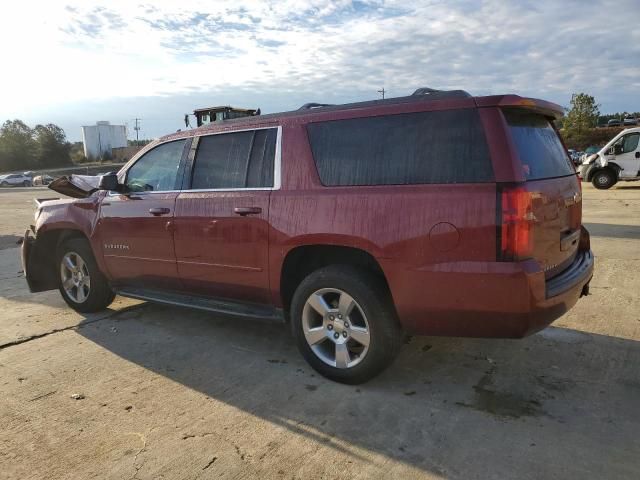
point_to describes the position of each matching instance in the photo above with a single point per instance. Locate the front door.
(221, 223)
(136, 226)
(627, 155)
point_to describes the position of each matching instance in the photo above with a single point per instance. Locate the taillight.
(516, 224)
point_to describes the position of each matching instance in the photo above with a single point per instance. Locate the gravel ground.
(145, 391)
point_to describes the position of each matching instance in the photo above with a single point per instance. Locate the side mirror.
(108, 181)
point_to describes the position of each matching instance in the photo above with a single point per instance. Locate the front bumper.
(37, 263)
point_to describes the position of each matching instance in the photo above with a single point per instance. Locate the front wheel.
(603, 179)
(344, 323)
(82, 284)
(4, 184)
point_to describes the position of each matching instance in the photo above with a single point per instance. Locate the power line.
(137, 129)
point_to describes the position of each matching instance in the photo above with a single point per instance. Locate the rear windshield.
(412, 148)
(539, 148)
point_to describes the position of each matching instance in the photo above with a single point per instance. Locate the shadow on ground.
(613, 231)
(561, 404)
(9, 241)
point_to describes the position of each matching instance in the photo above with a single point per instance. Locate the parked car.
(614, 122)
(15, 180)
(433, 214)
(630, 121)
(618, 160)
(42, 180)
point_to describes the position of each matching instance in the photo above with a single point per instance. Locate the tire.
(603, 179)
(4, 184)
(369, 333)
(26, 183)
(85, 288)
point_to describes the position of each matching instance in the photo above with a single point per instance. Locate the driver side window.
(157, 170)
(630, 142)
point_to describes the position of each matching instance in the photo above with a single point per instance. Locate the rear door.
(135, 227)
(556, 198)
(221, 224)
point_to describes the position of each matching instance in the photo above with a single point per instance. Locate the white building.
(100, 138)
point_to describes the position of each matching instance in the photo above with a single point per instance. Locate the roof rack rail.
(308, 106)
(432, 92)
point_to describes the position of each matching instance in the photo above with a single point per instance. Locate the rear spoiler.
(543, 107)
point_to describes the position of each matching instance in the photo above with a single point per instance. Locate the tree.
(52, 148)
(581, 117)
(17, 147)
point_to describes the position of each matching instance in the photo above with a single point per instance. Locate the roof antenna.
(382, 92)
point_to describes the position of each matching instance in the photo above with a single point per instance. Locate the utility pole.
(382, 92)
(137, 129)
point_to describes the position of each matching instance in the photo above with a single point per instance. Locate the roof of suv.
(421, 95)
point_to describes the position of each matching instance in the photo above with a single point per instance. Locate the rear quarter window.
(413, 148)
(539, 148)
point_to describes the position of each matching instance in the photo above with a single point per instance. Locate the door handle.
(637, 154)
(243, 211)
(158, 211)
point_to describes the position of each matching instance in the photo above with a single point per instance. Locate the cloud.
(92, 51)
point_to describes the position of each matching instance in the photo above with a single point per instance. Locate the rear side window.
(235, 160)
(539, 148)
(413, 148)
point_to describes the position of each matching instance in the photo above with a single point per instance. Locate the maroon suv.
(433, 214)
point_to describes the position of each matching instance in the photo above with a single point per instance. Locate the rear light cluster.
(515, 223)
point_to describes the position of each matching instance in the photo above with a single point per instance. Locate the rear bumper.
(497, 300)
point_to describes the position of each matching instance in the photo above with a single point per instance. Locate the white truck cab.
(618, 160)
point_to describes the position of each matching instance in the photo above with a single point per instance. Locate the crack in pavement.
(109, 315)
(210, 463)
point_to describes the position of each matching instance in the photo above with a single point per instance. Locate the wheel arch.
(611, 167)
(300, 261)
(41, 265)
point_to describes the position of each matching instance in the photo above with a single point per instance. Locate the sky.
(75, 62)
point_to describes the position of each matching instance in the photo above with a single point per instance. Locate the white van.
(618, 160)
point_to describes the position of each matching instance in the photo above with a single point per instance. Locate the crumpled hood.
(76, 186)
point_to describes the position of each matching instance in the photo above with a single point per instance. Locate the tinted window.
(156, 170)
(539, 148)
(425, 147)
(235, 160)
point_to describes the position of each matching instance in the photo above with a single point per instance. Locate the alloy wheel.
(336, 328)
(75, 277)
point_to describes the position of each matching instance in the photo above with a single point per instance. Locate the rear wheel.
(26, 183)
(82, 284)
(603, 179)
(344, 323)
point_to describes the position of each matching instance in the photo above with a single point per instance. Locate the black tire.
(603, 179)
(99, 294)
(373, 300)
(26, 183)
(4, 184)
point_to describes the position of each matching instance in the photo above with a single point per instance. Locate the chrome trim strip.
(277, 166)
(221, 265)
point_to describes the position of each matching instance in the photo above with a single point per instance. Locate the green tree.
(52, 148)
(581, 118)
(17, 147)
